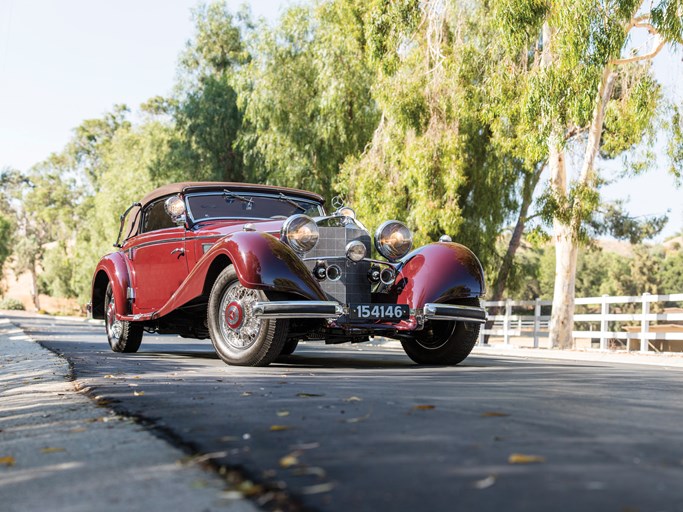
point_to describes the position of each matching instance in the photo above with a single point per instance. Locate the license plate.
(387, 312)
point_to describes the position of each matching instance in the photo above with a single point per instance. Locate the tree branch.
(640, 58)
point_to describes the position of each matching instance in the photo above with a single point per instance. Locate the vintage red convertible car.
(259, 268)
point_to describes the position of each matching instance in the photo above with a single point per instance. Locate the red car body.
(172, 276)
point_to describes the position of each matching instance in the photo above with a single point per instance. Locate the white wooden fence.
(529, 322)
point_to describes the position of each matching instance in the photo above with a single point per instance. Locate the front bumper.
(332, 310)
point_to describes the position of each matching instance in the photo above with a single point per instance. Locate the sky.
(62, 62)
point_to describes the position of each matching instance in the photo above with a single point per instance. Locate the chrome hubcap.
(239, 327)
(114, 326)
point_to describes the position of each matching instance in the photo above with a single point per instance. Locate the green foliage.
(306, 98)
(675, 144)
(6, 238)
(613, 220)
(11, 304)
(671, 273)
(631, 115)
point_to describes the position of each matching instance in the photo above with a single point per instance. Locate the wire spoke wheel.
(239, 327)
(239, 337)
(122, 336)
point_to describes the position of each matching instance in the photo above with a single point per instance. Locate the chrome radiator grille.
(353, 285)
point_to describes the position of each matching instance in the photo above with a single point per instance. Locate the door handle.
(178, 250)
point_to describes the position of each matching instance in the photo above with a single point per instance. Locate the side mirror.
(175, 207)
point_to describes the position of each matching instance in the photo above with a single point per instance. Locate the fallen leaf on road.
(7, 461)
(138, 393)
(279, 428)
(310, 471)
(520, 458)
(51, 449)
(318, 489)
(109, 376)
(282, 414)
(353, 399)
(358, 419)
(484, 483)
(305, 446)
(288, 461)
(76, 430)
(494, 414)
(426, 407)
(248, 488)
(247, 393)
(307, 395)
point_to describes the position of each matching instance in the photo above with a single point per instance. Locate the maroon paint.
(440, 272)
(261, 261)
(159, 265)
(114, 265)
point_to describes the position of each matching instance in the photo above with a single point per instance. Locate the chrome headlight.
(355, 250)
(175, 208)
(300, 232)
(393, 240)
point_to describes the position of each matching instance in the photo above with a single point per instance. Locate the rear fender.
(261, 261)
(440, 272)
(111, 269)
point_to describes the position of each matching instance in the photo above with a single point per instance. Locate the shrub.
(11, 304)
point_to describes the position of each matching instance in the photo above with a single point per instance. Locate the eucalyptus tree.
(585, 60)
(433, 158)
(306, 96)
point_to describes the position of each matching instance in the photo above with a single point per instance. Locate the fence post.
(645, 323)
(537, 320)
(506, 322)
(604, 311)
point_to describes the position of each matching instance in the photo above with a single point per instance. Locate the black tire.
(122, 336)
(289, 347)
(237, 336)
(442, 342)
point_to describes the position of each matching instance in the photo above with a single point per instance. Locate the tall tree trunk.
(35, 295)
(530, 182)
(566, 249)
(566, 243)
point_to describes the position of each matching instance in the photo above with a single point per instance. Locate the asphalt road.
(343, 428)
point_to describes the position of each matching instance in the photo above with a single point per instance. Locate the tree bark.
(35, 295)
(566, 249)
(530, 182)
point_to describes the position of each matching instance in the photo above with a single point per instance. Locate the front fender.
(264, 262)
(261, 261)
(439, 272)
(112, 269)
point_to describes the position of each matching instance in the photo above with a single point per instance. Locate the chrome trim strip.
(453, 312)
(343, 257)
(298, 309)
(156, 242)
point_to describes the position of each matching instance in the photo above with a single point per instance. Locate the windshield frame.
(252, 195)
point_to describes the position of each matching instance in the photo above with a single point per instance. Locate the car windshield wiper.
(122, 219)
(287, 200)
(228, 193)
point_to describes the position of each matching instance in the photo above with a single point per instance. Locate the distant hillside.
(616, 246)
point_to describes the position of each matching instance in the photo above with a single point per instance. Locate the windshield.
(241, 205)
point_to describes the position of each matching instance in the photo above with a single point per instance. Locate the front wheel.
(122, 336)
(443, 342)
(239, 337)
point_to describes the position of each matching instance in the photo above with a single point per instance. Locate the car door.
(157, 259)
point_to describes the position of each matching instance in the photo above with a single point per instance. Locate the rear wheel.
(442, 341)
(238, 337)
(122, 336)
